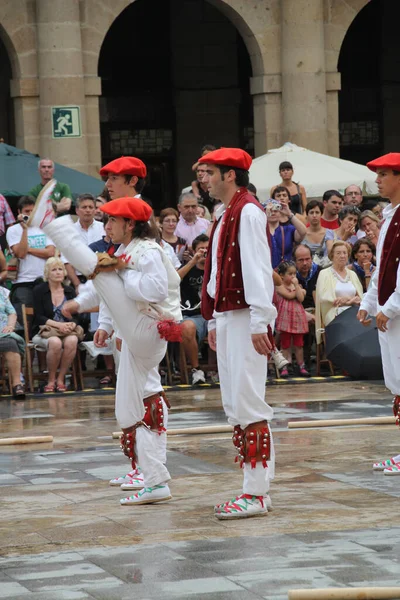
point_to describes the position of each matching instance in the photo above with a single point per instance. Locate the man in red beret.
(142, 301)
(383, 296)
(237, 302)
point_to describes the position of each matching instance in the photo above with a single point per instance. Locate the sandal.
(18, 391)
(61, 387)
(50, 387)
(107, 380)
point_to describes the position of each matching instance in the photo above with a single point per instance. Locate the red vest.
(389, 260)
(229, 293)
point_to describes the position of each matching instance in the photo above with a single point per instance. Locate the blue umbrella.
(19, 174)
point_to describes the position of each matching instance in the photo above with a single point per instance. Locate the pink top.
(190, 231)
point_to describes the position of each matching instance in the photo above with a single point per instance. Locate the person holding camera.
(194, 328)
(32, 247)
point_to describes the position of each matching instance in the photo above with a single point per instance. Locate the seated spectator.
(363, 261)
(307, 273)
(11, 344)
(3, 267)
(194, 328)
(291, 321)
(168, 221)
(32, 247)
(189, 225)
(370, 224)
(203, 212)
(353, 196)
(315, 238)
(49, 298)
(297, 193)
(346, 232)
(6, 215)
(251, 188)
(333, 202)
(338, 288)
(285, 229)
(89, 230)
(98, 214)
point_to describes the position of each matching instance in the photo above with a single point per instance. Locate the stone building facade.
(54, 53)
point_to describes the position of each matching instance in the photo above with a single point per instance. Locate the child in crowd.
(291, 321)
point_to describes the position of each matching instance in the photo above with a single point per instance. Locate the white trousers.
(242, 374)
(142, 348)
(390, 349)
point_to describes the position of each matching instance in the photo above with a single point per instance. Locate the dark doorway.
(7, 127)
(369, 64)
(175, 76)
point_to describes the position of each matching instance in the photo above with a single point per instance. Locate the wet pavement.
(334, 523)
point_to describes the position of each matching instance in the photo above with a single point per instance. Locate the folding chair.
(321, 356)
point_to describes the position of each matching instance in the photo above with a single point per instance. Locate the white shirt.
(94, 233)
(256, 265)
(31, 267)
(370, 303)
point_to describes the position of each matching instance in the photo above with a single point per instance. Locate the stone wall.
(293, 45)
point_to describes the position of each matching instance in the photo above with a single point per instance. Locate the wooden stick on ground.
(190, 430)
(26, 440)
(363, 593)
(339, 422)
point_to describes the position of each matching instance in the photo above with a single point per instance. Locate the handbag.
(48, 331)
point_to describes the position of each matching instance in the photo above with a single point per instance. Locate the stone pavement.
(64, 536)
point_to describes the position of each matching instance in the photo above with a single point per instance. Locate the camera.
(25, 218)
(205, 254)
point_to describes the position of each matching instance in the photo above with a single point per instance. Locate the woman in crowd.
(291, 321)
(285, 227)
(363, 261)
(338, 288)
(203, 212)
(49, 298)
(315, 237)
(11, 344)
(348, 219)
(370, 224)
(168, 221)
(297, 193)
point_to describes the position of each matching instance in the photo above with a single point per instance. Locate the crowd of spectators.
(322, 250)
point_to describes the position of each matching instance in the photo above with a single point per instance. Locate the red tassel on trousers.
(169, 330)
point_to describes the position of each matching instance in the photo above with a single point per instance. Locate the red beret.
(387, 161)
(231, 157)
(126, 165)
(129, 208)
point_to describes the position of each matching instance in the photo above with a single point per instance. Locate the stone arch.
(258, 25)
(339, 15)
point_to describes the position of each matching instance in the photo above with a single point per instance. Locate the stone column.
(303, 74)
(333, 86)
(26, 113)
(267, 103)
(61, 80)
(92, 93)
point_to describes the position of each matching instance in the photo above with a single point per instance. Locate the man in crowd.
(189, 224)
(194, 328)
(61, 196)
(307, 273)
(89, 230)
(353, 195)
(237, 302)
(333, 202)
(383, 296)
(32, 247)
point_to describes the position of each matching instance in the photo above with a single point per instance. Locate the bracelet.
(291, 217)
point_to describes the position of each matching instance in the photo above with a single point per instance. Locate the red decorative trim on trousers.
(396, 409)
(253, 444)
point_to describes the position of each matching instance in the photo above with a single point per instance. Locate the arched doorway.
(7, 127)
(369, 64)
(175, 75)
